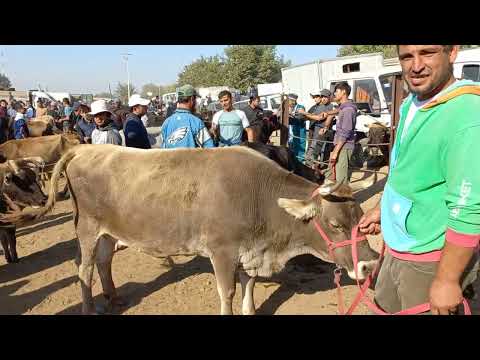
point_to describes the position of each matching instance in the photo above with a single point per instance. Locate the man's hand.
(369, 223)
(333, 157)
(445, 296)
(322, 131)
(301, 111)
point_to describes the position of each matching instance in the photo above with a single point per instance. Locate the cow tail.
(60, 167)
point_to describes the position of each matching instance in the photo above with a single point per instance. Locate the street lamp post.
(125, 57)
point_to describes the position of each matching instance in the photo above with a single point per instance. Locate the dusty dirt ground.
(45, 280)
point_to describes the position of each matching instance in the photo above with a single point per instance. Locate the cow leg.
(86, 256)
(248, 284)
(4, 241)
(12, 241)
(104, 256)
(224, 268)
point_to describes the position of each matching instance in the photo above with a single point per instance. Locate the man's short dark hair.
(19, 106)
(344, 86)
(446, 48)
(224, 93)
(252, 98)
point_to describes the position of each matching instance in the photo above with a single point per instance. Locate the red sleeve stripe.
(465, 240)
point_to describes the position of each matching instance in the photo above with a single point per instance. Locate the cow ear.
(300, 209)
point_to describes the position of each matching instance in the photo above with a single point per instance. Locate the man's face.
(325, 100)
(101, 118)
(226, 102)
(317, 99)
(83, 111)
(292, 102)
(426, 68)
(3, 103)
(141, 109)
(338, 95)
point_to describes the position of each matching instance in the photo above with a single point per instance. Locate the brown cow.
(49, 148)
(231, 204)
(40, 126)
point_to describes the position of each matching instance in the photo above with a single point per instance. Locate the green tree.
(165, 89)
(4, 82)
(389, 51)
(122, 91)
(241, 66)
(150, 87)
(249, 65)
(204, 72)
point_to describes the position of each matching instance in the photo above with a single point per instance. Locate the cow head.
(20, 183)
(336, 211)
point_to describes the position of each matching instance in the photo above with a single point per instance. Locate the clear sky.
(89, 69)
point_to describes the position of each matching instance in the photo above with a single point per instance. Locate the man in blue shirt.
(20, 128)
(183, 129)
(135, 133)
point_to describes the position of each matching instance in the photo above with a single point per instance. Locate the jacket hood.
(458, 88)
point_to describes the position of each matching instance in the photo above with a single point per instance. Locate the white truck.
(369, 75)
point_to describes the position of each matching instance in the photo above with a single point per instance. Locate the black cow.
(285, 158)
(20, 189)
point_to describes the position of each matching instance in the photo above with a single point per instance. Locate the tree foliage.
(121, 91)
(157, 89)
(241, 66)
(204, 72)
(5, 82)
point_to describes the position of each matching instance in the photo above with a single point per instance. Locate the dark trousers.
(318, 150)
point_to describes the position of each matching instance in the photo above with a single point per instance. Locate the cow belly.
(161, 248)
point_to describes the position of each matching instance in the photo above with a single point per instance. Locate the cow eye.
(8, 179)
(335, 225)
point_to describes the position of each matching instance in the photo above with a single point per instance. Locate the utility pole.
(125, 57)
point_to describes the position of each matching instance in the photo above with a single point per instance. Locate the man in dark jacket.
(135, 133)
(85, 125)
(3, 122)
(344, 135)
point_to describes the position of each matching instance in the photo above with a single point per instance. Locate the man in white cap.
(135, 132)
(105, 131)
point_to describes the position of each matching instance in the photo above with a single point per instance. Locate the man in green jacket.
(429, 214)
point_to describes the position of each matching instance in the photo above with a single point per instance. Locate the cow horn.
(328, 187)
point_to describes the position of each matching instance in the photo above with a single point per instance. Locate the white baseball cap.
(136, 99)
(98, 107)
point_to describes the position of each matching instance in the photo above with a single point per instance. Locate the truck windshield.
(386, 81)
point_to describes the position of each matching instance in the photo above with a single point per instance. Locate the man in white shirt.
(228, 124)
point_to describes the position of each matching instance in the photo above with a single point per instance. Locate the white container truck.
(369, 75)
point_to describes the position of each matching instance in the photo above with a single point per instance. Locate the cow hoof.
(116, 302)
(100, 310)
